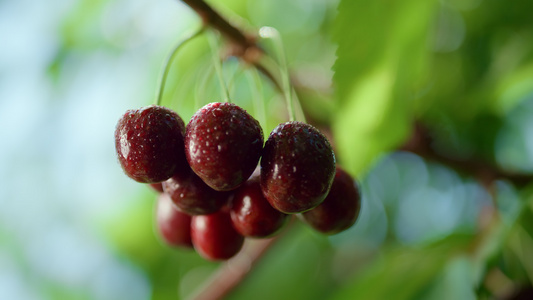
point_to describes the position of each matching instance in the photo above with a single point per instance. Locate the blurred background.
(447, 208)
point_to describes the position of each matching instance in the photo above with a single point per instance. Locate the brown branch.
(232, 272)
(268, 75)
(243, 45)
(421, 143)
(211, 18)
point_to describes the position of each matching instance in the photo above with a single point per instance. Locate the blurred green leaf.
(514, 88)
(134, 235)
(521, 244)
(455, 281)
(405, 273)
(295, 268)
(80, 29)
(133, 232)
(381, 57)
(489, 69)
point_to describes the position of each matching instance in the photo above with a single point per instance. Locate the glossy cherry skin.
(158, 187)
(192, 196)
(214, 237)
(340, 209)
(297, 167)
(173, 225)
(252, 215)
(150, 143)
(223, 145)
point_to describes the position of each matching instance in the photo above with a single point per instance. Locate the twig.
(243, 45)
(213, 19)
(232, 272)
(421, 143)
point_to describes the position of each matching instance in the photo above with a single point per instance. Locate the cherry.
(340, 209)
(251, 213)
(297, 167)
(223, 145)
(158, 187)
(192, 196)
(149, 143)
(173, 225)
(214, 237)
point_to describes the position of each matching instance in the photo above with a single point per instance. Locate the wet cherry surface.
(173, 226)
(223, 144)
(214, 237)
(297, 167)
(340, 209)
(251, 213)
(191, 195)
(150, 143)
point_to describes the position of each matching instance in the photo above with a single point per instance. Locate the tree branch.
(421, 143)
(243, 45)
(214, 20)
(232, 272)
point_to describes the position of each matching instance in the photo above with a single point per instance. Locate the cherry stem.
(272, 33)
(257, 94)
(201, 86)
(218, 67)
(168, 63)
(233, 79)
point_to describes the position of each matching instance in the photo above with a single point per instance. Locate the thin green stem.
(299, 109)
(168, 63)
(233, 79)
(201, 86)
(218, 68)
(272, 33)
(257, 94)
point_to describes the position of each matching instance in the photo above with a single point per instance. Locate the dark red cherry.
(340, 209)
(192, 196)
(214, 237)
(149, 143)
(223, 145)
(173, 225)
(297, 167)
(158, 187)
(251, 213)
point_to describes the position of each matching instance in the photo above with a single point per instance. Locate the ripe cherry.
(223, 145)
(340, 209)
(158, 187)
(214, 237)
(192, 196)
(173, 225)
(149, 143)
(251, 213)
(297, 167)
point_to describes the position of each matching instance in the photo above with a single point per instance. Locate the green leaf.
(514, 88)
(405, 273)
(455, 282)
(296, 267)
(381, 58)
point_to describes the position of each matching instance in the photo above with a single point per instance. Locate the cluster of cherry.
(211, 198)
